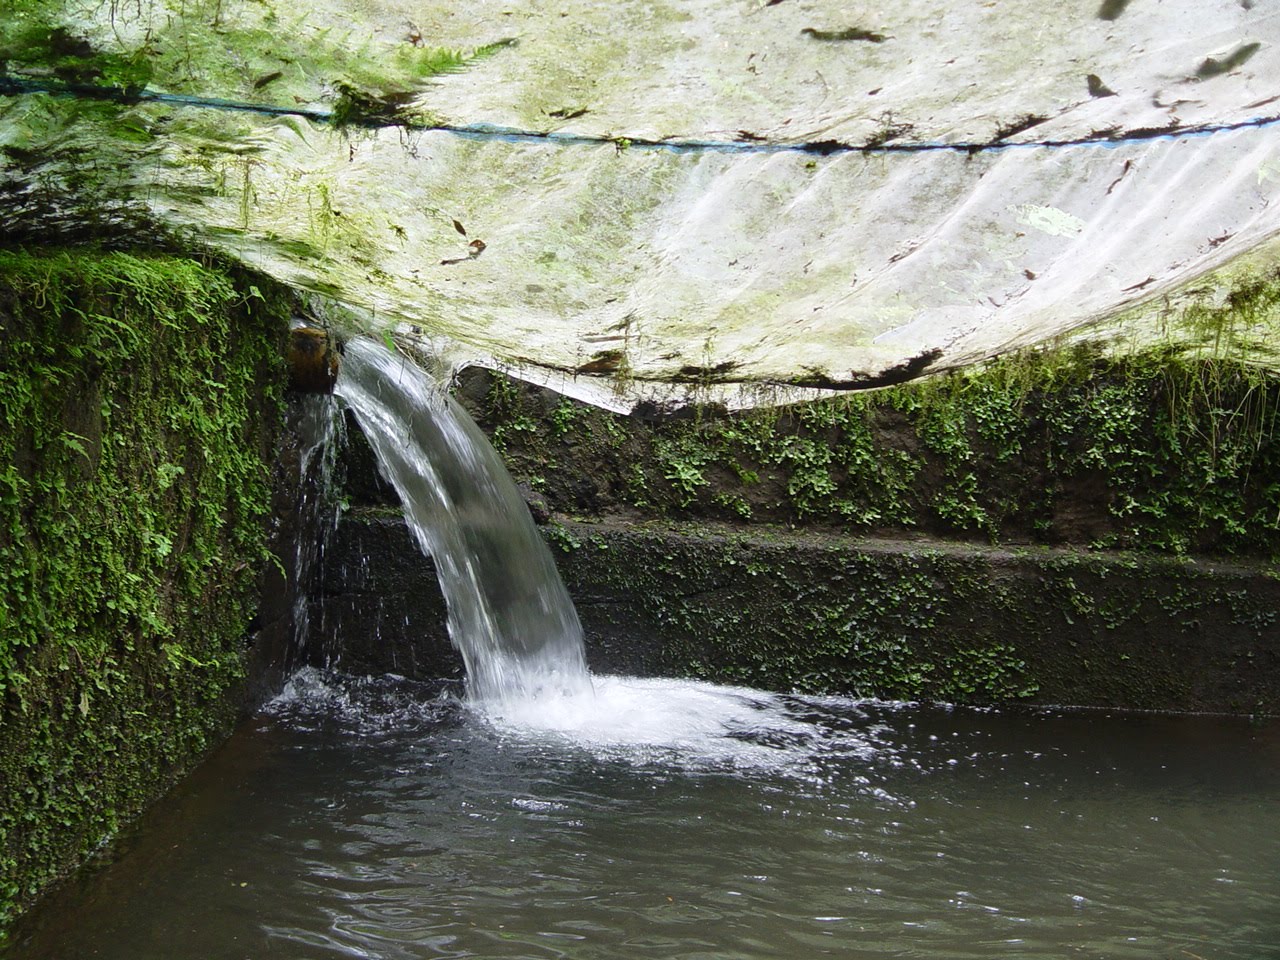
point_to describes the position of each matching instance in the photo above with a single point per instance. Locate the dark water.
(384, 819)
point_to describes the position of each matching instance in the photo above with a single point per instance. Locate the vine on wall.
(1156, 450)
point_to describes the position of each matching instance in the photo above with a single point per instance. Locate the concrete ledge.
(896, 619)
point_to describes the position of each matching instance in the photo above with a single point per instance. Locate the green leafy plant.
(138, 400)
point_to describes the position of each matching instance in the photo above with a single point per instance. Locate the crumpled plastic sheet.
(725, 199)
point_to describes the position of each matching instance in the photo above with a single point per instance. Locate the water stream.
(547, 814)
(509, 613)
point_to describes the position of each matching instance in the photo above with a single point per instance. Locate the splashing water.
(512, 619)
(509, 613)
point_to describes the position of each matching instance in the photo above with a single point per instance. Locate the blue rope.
(15, 86)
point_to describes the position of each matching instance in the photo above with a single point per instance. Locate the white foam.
(364, 705)
(673, 721)
(672, 724)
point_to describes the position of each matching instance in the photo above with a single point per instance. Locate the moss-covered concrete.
(140, 410)
(1156, 451)
(914, 620)
(954, 623)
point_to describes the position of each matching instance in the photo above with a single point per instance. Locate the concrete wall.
(763, 548)
(140, 439)
(960, 623)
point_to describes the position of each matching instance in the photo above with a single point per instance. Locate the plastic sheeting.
(703, 197)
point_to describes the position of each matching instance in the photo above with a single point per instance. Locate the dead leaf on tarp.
(1096, 87)
(474, 249)
(1140, 285)
(849, 33)
(605, 361)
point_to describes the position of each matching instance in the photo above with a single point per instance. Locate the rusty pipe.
(313, 360)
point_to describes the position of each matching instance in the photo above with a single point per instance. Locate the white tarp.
(795, 191)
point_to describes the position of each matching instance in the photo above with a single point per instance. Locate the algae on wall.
(139, 407)
(921, 620)
(1159, 450)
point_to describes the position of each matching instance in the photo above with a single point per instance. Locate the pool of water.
(383, 818)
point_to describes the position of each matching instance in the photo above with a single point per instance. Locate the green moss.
(974, 624)
(1161, 450)
(232, 50)
(138, 399)
(803, 615)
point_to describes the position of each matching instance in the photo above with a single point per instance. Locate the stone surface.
(879, 618)
(378, 606)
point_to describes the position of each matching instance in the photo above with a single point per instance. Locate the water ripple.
(388, 819)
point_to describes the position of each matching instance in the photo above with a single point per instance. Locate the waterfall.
(509, 613)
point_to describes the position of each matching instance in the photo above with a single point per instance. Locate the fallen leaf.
(1097, 88)
(1139, 286)
(850, 33)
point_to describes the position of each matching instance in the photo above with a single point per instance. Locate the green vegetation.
(139, 399)
(230, 50)
(86, 150)
(1159, 450)
(979, 625)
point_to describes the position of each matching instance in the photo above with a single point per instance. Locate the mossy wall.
(905, 620)
(926, 621)
(1154, 451)
(140, 401)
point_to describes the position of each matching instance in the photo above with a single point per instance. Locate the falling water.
(509, 613)
(322, 435)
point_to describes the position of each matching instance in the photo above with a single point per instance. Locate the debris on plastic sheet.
(474, 249)
(788, 195)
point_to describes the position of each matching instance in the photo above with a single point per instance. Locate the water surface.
(383, 818)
